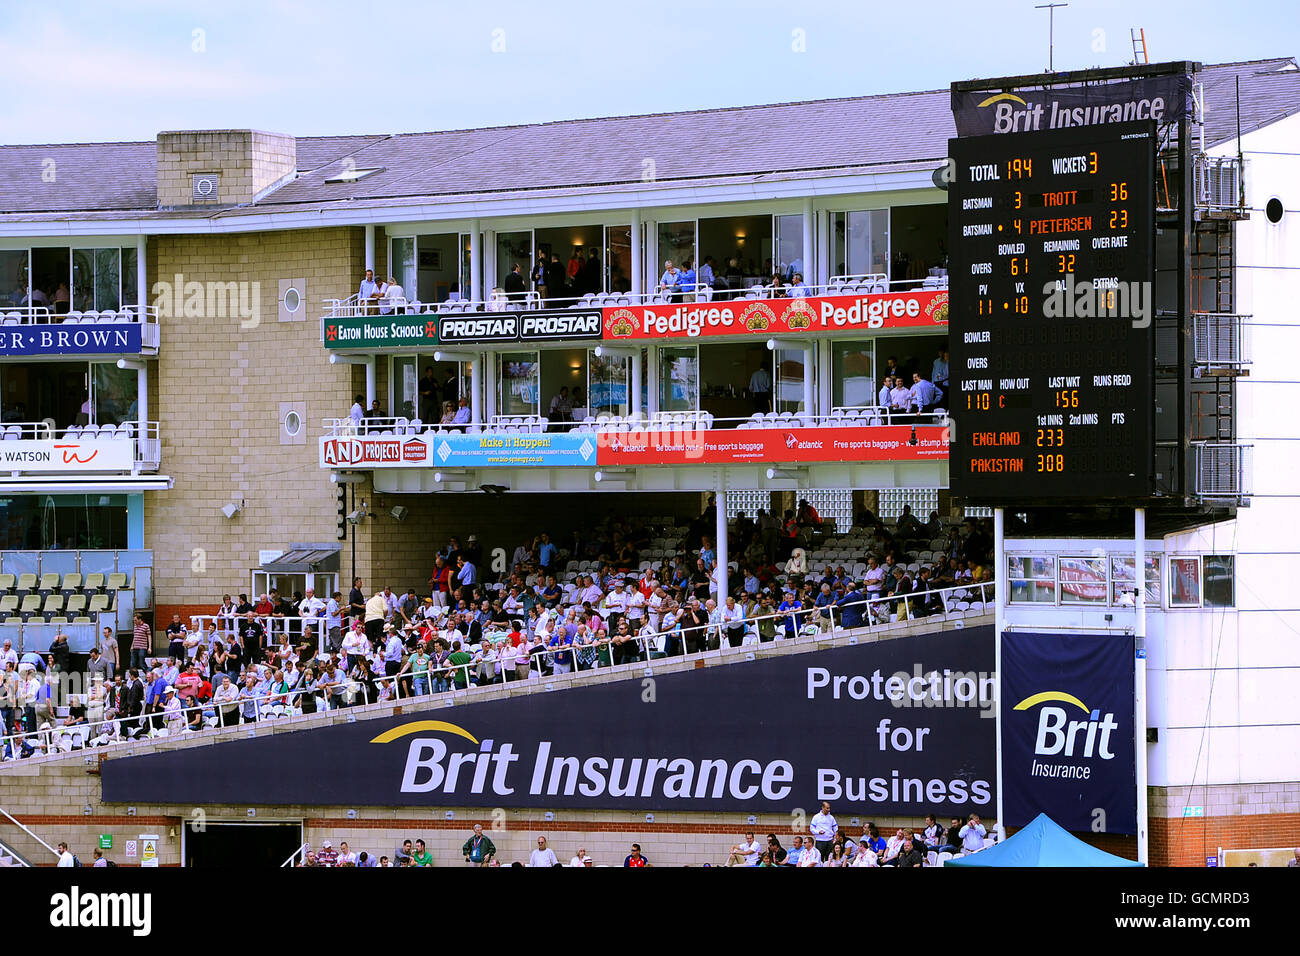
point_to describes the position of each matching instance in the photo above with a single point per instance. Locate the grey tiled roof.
(738, 143)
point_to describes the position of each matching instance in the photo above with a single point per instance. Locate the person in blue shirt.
(546, 552)
(707, 554)
(825, 601)
(795, 853)
(686, 279)
(792, 620)
(561, 656)
(706, 273)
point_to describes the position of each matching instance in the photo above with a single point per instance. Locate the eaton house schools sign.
(381, 332)
(897, 728)
(120, 338)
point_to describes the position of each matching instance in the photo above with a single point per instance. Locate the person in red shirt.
(264, 607)
(635, 858)
(327, 855)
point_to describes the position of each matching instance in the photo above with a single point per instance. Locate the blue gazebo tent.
(1041, 843)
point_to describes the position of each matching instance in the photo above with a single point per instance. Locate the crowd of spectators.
(284, 655)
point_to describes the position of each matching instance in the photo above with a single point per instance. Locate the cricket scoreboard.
(1051, 262)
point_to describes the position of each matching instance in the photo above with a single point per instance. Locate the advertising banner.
(732, 446)
(116, 338)
(830, 313)
(539, 325)
(63, 455)
(381, 332)
(1067, 731)
(458, 451)
(1160, 98)
(900, 727)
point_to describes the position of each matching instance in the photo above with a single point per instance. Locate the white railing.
(147, 445)
(500, 301)
(12, 819)
(146, 316)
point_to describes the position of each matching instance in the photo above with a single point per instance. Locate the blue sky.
(126, 70)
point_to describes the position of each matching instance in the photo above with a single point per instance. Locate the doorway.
(244, 845)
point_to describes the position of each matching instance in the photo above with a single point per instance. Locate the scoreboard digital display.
(1050, 270)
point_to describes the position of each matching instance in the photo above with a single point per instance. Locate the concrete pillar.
(652, 379)
(475, 392)
(370, 249)
(490, 261)
(651, 257)
(475, 291)
(490, 385)
(634, 386)
(370, 381)
(142, 396)
(638, 265)
(809, 235)
(720, 545)
(809, 368)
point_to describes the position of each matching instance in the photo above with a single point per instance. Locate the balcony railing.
(68, 325)
(1219, 340)
(78, 448)
(500, 301)
(1217, 183)
(1223, 471)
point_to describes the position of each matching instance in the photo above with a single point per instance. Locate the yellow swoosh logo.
(997, 98)
(1047, 695)
(416, 726)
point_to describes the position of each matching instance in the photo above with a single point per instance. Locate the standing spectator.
(226, 700)
(108, 643)
(478, 849)
(972, 835)
(176, 633)
(140, 643)
(65, 856)
(823, 829)
(356, 602)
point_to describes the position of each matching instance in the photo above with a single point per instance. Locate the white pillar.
(490, 385)
(826, 232)
(370, 381)
(634, 400)
(809, 370)
(370, 248)
(809, 225)
(1140, 678)
(720, 545)
(638, 266)
(490, 261)
(142, 395)
(999, 623)
(475, 391)
(652, 379)
(650, 255)
(475, 290)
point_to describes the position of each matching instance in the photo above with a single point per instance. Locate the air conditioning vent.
(206, 187)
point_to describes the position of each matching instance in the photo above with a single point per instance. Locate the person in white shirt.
(972, 836)
(798, 290)
(745, 853)
(357, 413)
(811, 856)
(823, 829)
(899, 396)
(346, 856)
(592, 593)
(462, 415)
(581, 859)
(894, 846)
(542, 856)
(393, 294)
(65, 857)
(635, 607)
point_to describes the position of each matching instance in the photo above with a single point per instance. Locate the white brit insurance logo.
(444, 451)
(586, 449)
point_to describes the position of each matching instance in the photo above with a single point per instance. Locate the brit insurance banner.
(828, 313)
(1161, 98)
(1067, 731)
(458, 451)
(117, 338)
(733, 446)
(899, 727)
(67, 455)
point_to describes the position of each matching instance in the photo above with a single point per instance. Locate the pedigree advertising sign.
(830, 313)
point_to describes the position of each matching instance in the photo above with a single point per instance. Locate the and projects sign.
(899, 728)
(832, 313)
(67, 455)
(733, 446)
(1068, 731)
(116, 338)
(489, 450)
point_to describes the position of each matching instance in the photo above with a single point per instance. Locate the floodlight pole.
(1051, 31)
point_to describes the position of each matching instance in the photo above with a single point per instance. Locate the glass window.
(618, 258)
(787, 374)
(1218, 589)
(1032, 578)
(53, 522)
(520, 383)
(114, 394)
(406, 390)
(83, 279)
(1121, 581)
(607, 384)
(465, 284)
(108, 279)
(679, 379)
(1083, 580)
(863, 238)
(852, 375)
(1184, 582)
(402, 263)
(514, 248)
(130, 288)
(676, 245)
(13, 276)
(789, 247)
